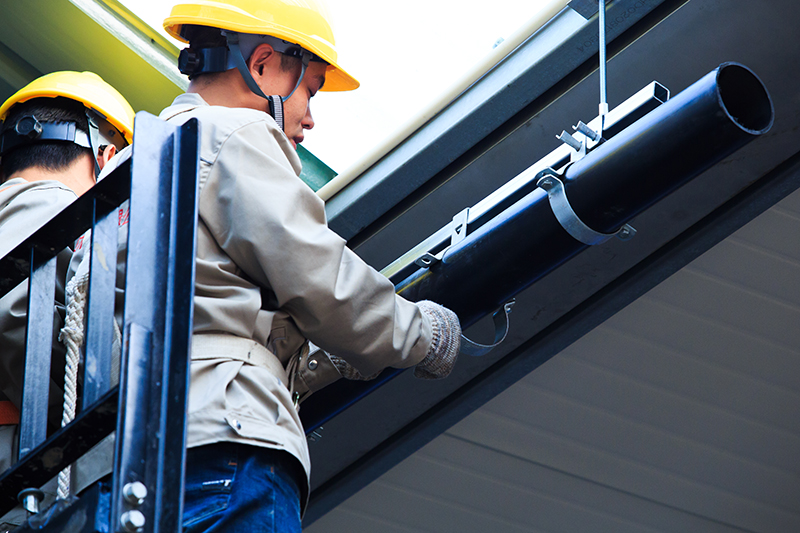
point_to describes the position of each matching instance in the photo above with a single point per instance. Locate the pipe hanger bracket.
(458, 232)
(502, 323)
(549, 180)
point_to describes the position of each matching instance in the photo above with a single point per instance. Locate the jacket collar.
(183, 103)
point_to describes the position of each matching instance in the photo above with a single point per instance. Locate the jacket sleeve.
(273, 227)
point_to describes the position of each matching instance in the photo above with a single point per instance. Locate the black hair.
(51, 155)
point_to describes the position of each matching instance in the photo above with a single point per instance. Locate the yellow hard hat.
(302, 22)
(85, 87)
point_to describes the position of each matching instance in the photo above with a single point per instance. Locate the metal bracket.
(549, 180)
(501, 326)
(580, 147)
(458, 232)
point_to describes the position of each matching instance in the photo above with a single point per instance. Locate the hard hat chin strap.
(275, 101)
(94, 143)
(28, 130)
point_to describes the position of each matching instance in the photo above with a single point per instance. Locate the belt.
(223, 346)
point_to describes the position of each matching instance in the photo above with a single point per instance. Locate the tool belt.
(224, 346)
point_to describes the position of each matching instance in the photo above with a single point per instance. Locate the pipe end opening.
(745, 98)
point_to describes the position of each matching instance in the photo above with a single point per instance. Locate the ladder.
(147, 408)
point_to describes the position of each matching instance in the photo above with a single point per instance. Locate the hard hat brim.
(337, 79)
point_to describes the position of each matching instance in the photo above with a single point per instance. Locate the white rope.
(72, 335)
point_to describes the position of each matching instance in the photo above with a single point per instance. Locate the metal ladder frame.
(147, 408)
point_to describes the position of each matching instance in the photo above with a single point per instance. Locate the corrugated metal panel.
(680, 413)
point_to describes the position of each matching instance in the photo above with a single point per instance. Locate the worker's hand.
(348, 371)
(445, 344)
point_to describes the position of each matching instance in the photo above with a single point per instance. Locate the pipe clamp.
(501, 326)
(549, 180)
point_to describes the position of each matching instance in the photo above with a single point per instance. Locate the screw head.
(28, 127)
(132, 521)
(134, 493)
(30, 499)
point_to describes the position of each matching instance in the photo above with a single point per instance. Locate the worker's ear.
(260, 59)
(106, 155)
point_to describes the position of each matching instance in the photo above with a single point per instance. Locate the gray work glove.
(445, 344)
(442, 354)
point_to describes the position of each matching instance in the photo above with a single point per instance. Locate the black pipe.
(619, 179)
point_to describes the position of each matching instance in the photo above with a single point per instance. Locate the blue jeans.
(236, 488)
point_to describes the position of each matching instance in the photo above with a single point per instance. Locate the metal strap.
(458, 232)
(276, 101)
(548, 179)
(241, 66)
(276, 109)
(501, 326)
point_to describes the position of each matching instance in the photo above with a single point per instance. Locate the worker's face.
(267, 71)
(297, 109)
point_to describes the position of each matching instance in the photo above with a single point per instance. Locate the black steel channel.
(178, 327)
(158, 309)
(42, 459)
(63, 448)
(100, 314)
(140, 378)
(38, 352)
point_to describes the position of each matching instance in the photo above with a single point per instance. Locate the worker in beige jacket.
(270, 273)
(57, 132)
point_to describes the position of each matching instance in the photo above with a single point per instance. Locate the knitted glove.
(445, 344)
(348, 371)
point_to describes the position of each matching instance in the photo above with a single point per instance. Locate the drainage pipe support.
(616, 181)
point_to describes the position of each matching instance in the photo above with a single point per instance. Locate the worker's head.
(270, 54)
(63, 126)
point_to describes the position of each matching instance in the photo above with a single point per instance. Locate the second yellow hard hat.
(85, 87)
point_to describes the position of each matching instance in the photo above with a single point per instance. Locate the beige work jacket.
(24, 208)
(269, 269)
